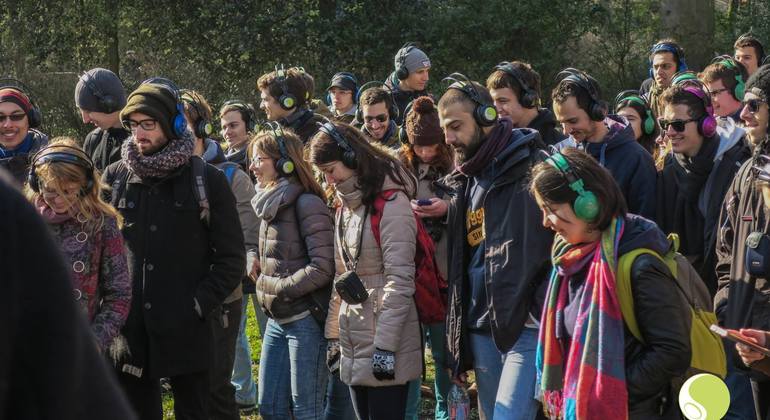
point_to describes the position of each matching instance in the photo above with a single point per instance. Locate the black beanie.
(156, 101)
(759, 83)
(100, 90)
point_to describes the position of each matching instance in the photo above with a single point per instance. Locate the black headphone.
(529, 98)
(393, 111)
(69, 154)
(178, 122)
(287, 101)
(109, 103)
(401, 71)
(285, 165)
(34, 116)
(248, 114)
(597, 108)
(484, 113)
(202, 127)
(348, 154)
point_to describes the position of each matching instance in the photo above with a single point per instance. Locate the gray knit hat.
(100, 90)
(413, 58)
(759, 83)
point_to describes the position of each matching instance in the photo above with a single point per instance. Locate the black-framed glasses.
(380, 118)
(12, 117)
(752, 104)
(148, 124)
(714, 93)
(678, 125)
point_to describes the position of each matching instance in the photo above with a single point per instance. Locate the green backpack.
(708, 353)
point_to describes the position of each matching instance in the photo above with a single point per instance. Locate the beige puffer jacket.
(388, 319)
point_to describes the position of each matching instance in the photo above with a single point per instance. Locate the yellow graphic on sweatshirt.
(474, 222)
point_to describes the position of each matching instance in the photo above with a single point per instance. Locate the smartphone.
(424, 202)
(737, 337)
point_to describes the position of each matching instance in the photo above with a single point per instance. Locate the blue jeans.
(741, 395)
(506, 382)
(435, 334)
(243, 380)
(292, 370)
(339, 405)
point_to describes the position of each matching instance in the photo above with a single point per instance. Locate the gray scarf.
(267, 201)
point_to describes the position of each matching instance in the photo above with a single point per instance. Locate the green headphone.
(648, 124)
(586, 205)
(740, 84)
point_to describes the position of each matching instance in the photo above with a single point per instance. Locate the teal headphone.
(740, 84)
(586, 205)
(633, 96)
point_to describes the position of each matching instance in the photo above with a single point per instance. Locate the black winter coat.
(104, 146)
(545, 123)
(175, 260)
(304, 123)
(50, 366)
(517, 257)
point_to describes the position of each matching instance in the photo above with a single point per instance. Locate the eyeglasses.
(678, 125)
(380, 118)
(12, 117)
(147, 125)
(752, 104)
(714, 93)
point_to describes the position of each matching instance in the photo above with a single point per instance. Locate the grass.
(255, 341)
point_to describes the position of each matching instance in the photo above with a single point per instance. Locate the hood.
(515, 152)
(544, 121)
(620, 134)
(213, 154)
(642, 233)
(729, 134)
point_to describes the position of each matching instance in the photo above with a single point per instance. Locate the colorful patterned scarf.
(589, 381)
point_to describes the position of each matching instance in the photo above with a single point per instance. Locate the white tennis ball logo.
(704, 397)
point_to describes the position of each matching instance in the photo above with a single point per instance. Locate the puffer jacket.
(387, 320)
(296, 250)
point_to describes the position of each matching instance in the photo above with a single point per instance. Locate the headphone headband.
(107, 101)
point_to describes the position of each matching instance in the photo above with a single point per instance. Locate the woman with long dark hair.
(372, 325)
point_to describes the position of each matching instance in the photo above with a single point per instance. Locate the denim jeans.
(506, 382)
(435, 334)
(339, 405)
(292, 370)
(243, 380)
(741, 395)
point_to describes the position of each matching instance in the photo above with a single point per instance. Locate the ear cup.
(402, 135)
(707, 126)
(649, 123)
(740, 87)
(203, 129)
(287, 101)
(284, 166)
(348, 157)
(485, 115)
(178, 122)
(34, 117)
(586, 205)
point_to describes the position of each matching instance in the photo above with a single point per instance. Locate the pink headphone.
(707, 125)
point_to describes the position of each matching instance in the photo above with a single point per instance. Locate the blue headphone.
(178, 122)
(674, 49)
(348, 76)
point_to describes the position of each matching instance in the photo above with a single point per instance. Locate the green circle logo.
(704, 397)
(490, 114)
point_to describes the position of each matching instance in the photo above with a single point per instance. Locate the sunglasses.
(12, 117)
(147, 125)
(678, 125)
(380, 118)
(753, 104)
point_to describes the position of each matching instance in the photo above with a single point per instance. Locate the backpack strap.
(118, 193)
(379, 205)
(623, 286)
(198, 173)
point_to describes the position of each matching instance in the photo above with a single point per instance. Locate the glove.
(384, 365)
(333, 355)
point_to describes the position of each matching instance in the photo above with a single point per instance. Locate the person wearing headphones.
(666, 60)
(610, 140)
(377, 112)
(634, 107)
(750, 52)
(65, 188)
(589, 365)
(19, 138)
(342, 97)
(238, 122)
(496, 281)
(284, 95)
(225, 329)
(515, 88)
(409, 79)
(725, 81)
(99, 96)
(695, 176)
(186, 253)
(742, 300)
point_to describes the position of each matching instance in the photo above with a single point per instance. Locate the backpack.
(708, 353)
(430, 293)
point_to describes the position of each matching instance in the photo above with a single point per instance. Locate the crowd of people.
(544, 249)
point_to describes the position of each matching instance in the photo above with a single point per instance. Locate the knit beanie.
(759, 83)
(100, 90)
(156, 101)
(413, 58)
(422, 123)
(14, 95)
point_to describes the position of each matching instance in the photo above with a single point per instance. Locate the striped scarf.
(588, 382)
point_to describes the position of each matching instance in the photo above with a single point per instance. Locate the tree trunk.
(691, 24)
(112, 31)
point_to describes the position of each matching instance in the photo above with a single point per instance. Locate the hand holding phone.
(737, 337)
(424, 202)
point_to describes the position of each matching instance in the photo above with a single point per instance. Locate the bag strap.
(199, 182)
(379, 206)
(118, 193)
(623, 286)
